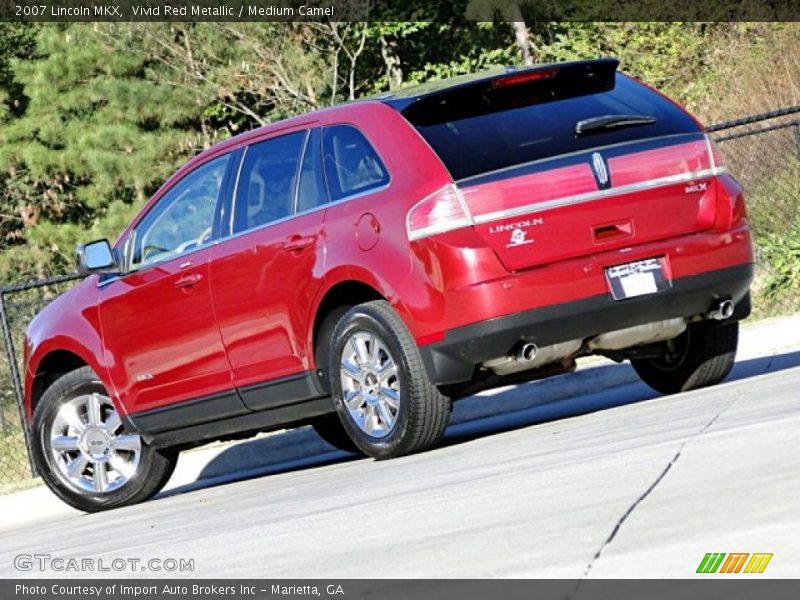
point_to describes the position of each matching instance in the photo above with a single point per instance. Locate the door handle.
(189, 280)
(297, 242)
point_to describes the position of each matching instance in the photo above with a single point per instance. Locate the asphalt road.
(621, 483)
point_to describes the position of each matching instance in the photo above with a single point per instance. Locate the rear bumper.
(453, 360)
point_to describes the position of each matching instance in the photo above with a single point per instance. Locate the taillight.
(715, 155)
(444, 210)
(731, 209)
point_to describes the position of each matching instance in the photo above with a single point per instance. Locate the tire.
(83, 454)
(701, 356)
(392, 408)
(330, 429)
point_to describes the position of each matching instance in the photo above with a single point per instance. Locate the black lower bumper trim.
(454, 359)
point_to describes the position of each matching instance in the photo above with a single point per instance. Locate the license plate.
(638, 278)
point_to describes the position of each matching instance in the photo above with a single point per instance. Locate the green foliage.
(99, 134)
(780, 280)
(94, 117)
(16, 41)
(15, 471)
(673, 57)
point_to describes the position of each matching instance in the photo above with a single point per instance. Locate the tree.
(509, 12)
(94, 117)
(96, 138)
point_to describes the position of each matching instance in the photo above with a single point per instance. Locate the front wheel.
(701, 356)
(380, 387)
(83, 453)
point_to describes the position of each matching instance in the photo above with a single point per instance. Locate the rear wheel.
(380, 387)
(701, 356)
(83, 453)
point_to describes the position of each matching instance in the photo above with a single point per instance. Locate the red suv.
(360, 267)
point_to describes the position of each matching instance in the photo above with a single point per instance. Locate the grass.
(15, 473)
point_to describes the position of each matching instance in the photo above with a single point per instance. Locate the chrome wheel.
(89, 447)
(370, 387)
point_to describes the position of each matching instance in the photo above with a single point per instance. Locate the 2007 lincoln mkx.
(360, 267)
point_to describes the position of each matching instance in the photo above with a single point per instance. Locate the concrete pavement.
(616, 483)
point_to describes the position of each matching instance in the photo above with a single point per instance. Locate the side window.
(266, 187)
(311, 191)
(352, 166)
(183, 218)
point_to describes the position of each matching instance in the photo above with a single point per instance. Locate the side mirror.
(96, 257)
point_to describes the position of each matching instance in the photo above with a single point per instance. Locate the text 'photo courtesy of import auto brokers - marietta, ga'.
(159, 591)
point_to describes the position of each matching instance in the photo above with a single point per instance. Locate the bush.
(778, 283)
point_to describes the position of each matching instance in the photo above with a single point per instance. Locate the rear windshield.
(475, 130)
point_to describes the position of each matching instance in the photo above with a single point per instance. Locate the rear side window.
(267, 181)
(352, 166)
(482, 128)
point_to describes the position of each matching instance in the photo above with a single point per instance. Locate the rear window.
(477, 129)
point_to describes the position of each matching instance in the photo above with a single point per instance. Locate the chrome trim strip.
(598, 195)
(587, 151)
(110, 280)
(364, 193)
(436, 229)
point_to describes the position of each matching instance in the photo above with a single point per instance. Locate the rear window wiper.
(611, 122)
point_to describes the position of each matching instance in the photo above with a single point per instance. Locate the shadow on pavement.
(630, 393)
(528, 405)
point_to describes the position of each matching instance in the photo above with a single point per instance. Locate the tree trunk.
(394, 70)
(520, 33)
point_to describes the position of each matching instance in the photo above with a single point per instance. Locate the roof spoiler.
(506, 89)
(600, 68)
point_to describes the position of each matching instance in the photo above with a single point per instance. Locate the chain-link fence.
(763, 151)
(18, 305)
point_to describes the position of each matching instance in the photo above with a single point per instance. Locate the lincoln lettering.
(518, 225)
(69, 11)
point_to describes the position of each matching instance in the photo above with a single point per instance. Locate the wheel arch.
(337, 297)
(52, 365)
(58, 359)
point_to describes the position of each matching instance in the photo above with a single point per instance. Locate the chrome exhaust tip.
(722, 310)
(527, 352)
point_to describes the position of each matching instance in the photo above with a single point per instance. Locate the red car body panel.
(264, 322)
(247, 316)
(166, 346)
(68, 324)
(502, 293)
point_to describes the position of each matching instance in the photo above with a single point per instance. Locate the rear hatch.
(564, 161)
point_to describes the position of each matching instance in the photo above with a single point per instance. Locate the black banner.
(437, 589)
(389, 10)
